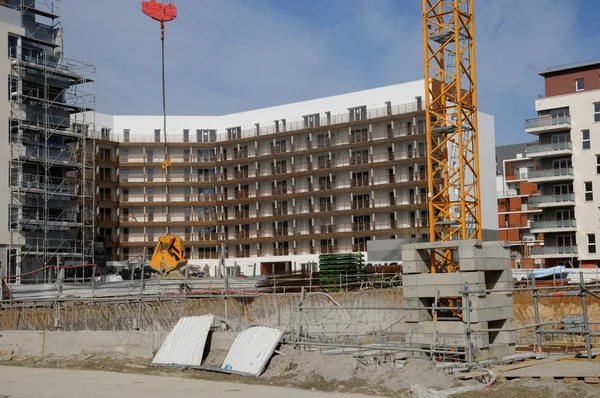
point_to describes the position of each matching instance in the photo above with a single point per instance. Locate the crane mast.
(451, 126)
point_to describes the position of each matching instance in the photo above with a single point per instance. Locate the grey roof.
(562, 68)
(505, 152)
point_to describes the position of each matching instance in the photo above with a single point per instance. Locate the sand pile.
(340, 370)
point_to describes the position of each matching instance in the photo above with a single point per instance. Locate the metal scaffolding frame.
(51, 209)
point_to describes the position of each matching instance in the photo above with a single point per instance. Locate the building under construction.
(49, 177)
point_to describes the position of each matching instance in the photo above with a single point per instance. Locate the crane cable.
(166, 162)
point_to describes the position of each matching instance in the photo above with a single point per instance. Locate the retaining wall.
(271, 310)
(141, 344)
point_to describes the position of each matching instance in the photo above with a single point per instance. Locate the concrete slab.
(449, 284)
(442, 245)
(449, 339)
(417, 315)
(449, 327)
(415, 267)
(494, 351)
(492, 308)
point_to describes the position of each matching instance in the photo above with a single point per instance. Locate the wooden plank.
(592, 380)
(471, 375)
(532, 362)
(6, 352)
(547, 378)
(570, 379)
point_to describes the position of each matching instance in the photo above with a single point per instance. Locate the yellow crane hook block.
(168, 255)
(166, 163)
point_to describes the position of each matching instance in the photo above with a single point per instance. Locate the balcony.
(547, 175)
(553, 226)
(567, 199)
(553, 149)
(547, 124)
(554, 251)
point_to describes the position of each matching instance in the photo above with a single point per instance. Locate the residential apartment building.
(515, 197)
(567, 165)
(46, 176)
(277, 184)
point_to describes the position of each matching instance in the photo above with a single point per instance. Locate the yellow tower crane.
(451, 126)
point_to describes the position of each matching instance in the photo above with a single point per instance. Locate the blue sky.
(226, 56)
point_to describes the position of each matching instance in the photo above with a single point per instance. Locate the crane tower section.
(451, 126)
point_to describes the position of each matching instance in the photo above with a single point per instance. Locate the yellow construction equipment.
(168, 256)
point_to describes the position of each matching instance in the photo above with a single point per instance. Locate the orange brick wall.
(528, 188)
(587, 264)
(564, 82)
(527, 263)
(514, 204)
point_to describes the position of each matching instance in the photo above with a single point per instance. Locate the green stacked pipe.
(343, 271)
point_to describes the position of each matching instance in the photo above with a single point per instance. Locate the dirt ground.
(312, 371)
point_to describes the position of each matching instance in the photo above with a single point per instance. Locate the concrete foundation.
(134, 343)
(485, 266)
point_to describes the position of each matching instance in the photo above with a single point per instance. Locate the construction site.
(353, 251)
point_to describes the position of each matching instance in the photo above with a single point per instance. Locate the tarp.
(558, 271)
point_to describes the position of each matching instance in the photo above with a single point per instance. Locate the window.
(562, 164)
(597, 112)
(126, 135)
(560, 138)
(157, 135)
(589, 191)
(105, 133)
(579, 84)
(591, 243)
(186, 135)
(597, 164)
(358, 113)
(12, 46)
(556, 112)
(234, 133)
(585, 139)
(311, 121)
(565, 240)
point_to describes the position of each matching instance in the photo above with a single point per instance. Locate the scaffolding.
(51, 176)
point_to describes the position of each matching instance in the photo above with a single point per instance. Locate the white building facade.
(279, 184)
(568, 165)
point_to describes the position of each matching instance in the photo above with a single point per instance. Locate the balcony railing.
(540, 122)
(555, 146)
(135, 178)
(560, 172)
(158, 158)
(554, 224)
(537, 200)
(554, 250)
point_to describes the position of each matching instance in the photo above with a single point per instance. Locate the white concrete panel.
(184, 346)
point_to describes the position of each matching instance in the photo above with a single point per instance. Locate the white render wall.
(587, 214)
(487, 172)
(7, 27)
(398, 94)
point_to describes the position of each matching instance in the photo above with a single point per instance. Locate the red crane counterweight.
(160, 12)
